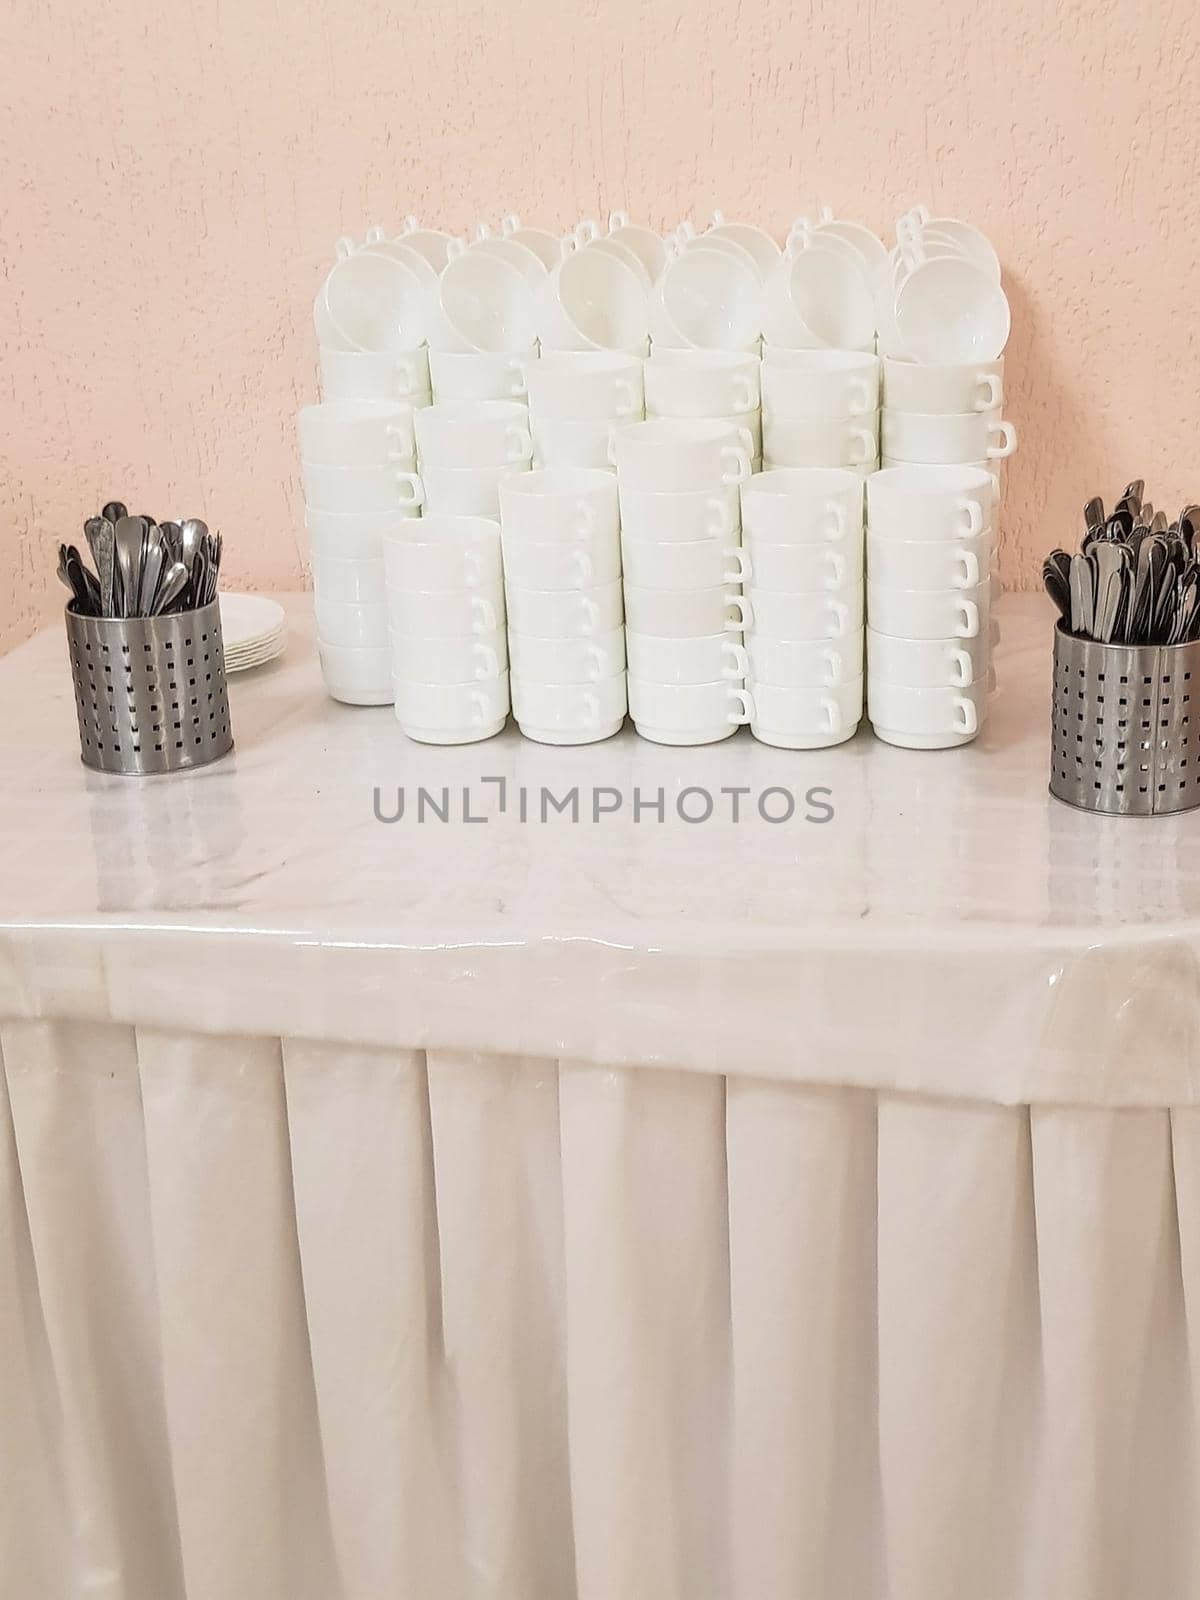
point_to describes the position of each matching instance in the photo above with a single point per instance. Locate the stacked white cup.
(356, 466)
(681, 552)
(820, 409)
(370, 316)
(445, 608)
(718, 385)
(802, 536)
(945, 415)
(465, 448)
(930, 535)
(562, 576)
(481, 359)
(577, 398)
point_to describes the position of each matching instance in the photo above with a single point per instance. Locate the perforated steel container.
(1124, 732)
(150, 691)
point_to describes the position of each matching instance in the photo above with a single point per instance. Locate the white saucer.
(254, 631)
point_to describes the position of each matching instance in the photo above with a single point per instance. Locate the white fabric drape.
(301, 1321)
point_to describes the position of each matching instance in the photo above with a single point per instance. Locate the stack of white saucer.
(253, 631)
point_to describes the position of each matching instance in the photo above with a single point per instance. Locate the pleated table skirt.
(297, 1321)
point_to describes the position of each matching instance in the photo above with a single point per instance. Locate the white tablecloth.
(734, 1293)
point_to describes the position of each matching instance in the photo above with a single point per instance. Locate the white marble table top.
(1036, 953)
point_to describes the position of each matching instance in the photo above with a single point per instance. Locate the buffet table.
(622, 1208)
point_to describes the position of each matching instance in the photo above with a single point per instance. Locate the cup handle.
(587, 519)
(970, 566)
(591, 709)
(617, 219)
(858, 400)
(833, 667)
(833, 714)
(746, 440)
(516, 382)
(410, 225)
(410, 480)
(720, 524)
(739, 662)
(583, 569)
(596, 663)
(343, 247)
(625, 398)
(586, 229)
(473, 568)
(484, 613)
(520, 444)
(960, 661)
(841, 615)
(740, 572)
(992, 391)
(841, 521)
(454, 249)
(479, 707)
(591, 616)
(509, 224)
(745, 707)
(1008, 440)
(746, 398)
(865, 440)
(612, 447)
(968, 623)
(837, 565)
(490, 667)
(966, 718)
(735, 453)
(745, 616)
(974, 516)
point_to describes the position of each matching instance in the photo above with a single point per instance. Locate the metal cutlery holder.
(1124, 730)
(150, 691)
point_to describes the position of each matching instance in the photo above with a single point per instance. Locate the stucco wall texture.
(173, 180)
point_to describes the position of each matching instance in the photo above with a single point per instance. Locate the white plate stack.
(562, 576)
(930, 535)
(681, 553)
(820, 409)
(577, 398)
(802, 536)
(445, 604)
(253, 631)
(718, 385)
(357, 469)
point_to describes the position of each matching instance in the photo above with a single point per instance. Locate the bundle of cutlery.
(143, 568)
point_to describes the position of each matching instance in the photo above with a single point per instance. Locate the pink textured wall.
(172, 182)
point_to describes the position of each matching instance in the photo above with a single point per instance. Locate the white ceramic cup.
(929, 613)
(803, 663)
(819, 296)
(349, 582)
(564, 442)
(444, 552)
(559, 503)
(688, 713)
(370, 301)
(925, 503)
(357, 677)
(928, 663)
(802, 717)
(683, 515)
(351, 625)
(709, 299)
(821, 383)
(977, 386)
(444, 613)
(478, 433)
(701, 383)
(356, 433)
(819, 441)
(950, 311)
(588, 385)
(680, 453)
(482, 303)
(801, 505)
(467, 491)
(803, 568)
(458, 658)
(565, 613)
(591, 301)
(569, 713)
(939, 439)
(464, 375)
(926, 719)
(351, 535)
(814, 615)
(704, 659)
(563, 563)
(672, 564)
(537, 660)
(757, 243)
(373, 374)
(685, 613)
(929, 563)
(452, 713)
(361, 489)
